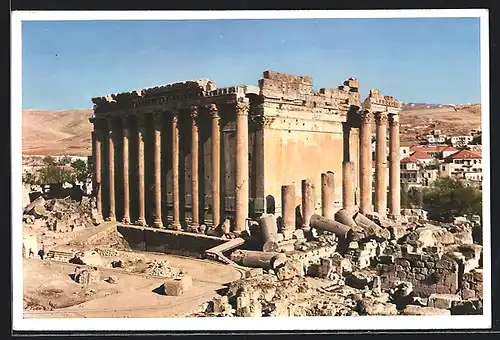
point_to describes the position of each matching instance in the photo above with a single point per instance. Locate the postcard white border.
(239, 324)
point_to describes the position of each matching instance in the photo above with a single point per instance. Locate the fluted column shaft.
(141, 121)
(157, 169)
(365, 163)
(241, 187)
(111, 168)
(288, 210)
(195, 181)
(348, 186)
(354, 157)
(176, 223)
(97, 165)
(381, 165)
(126, 181)
(216, 210)
(308, 203)
(328, 194)
(394, 166)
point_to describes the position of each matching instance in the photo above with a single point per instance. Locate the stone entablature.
(171, 97)
(376, 102)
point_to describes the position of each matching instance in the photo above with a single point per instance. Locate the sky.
(425, 60)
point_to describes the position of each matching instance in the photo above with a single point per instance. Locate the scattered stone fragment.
(417, 310)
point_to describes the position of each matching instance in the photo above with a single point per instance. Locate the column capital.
(175, 117)
(262, 121)
(213, 111)
(393, 119)
(366, 116)
(194, 113)
(381, 118)
(242, 106)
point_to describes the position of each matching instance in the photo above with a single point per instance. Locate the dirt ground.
(49, 285)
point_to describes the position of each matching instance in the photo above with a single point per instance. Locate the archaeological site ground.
(244, 201)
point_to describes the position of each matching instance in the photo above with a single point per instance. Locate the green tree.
(52, 174)
(64, 160)
(448, 197)
(405, 199)
(81, 170)
(48, 160)
(30, 178)
(416, 197)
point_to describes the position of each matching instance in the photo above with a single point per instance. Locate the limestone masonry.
(189, 153)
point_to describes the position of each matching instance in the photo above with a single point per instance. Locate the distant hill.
(68, 132)
(459, 119)
(57, 132)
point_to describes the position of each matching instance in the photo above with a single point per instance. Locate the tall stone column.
(328, 194)
(98, 152)
(158, 120)
(394, 166)
(288, 210)
(176, 223)
(366, 163)
(381, 165)
(308, 202)
(111, 168)
(126, 181)
(195, 182)
(216, 210)
(348, 186)
(241, 194)
(141, 136)
(354, 157)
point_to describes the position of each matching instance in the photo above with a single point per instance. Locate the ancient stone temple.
(190, 153)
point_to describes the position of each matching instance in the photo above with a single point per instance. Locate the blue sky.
(433, 60)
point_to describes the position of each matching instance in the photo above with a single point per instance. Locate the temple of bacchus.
(189, 153)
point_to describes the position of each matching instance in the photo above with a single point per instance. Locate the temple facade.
(189, 153)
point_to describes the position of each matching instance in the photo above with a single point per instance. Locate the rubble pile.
(60, 215)
(356, 265)
(87, 275)
(161, 269)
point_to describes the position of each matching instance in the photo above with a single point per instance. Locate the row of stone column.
(241, 194)
(365, 159)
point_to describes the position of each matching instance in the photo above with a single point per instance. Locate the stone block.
(419, 277)
(289, 270)
(417, 310)
(473, 307)
(178, 286)
(468, 294)
(442, 301)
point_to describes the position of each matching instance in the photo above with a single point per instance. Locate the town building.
(464, 164)
(460, 141)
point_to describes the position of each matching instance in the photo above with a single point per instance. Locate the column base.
(158, 224)
(394, 217)
(175, 226)
(110, 218)
(126, 220)
(141, 222)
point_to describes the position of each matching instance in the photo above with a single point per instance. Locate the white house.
(460, 141)
(464, 164)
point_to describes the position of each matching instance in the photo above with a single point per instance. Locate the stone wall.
(313, 152)
(167, 241)
(428, 272)
(472, 285)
